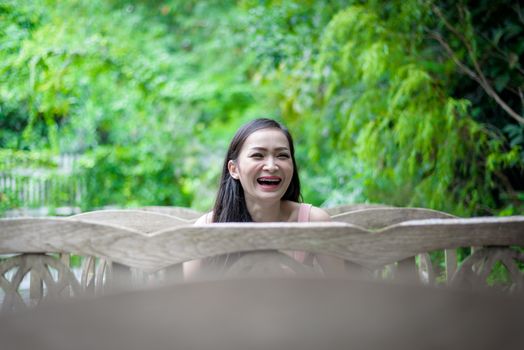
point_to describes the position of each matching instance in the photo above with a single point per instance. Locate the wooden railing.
(180, 212)
(129, 246)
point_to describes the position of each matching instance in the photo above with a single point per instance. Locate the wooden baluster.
(122, 276)
(36, 283)
(88, 274)
(407, 270)
(451, 263)
(65, 259)
(426, 269)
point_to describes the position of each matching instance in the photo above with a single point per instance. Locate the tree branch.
(519, 12)
(454, 57)
(475, 74)
(521, 95)
(509, 188)
(502, 54)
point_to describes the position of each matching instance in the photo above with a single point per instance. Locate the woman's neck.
(263, 211)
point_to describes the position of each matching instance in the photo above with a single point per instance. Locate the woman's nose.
(270, 165)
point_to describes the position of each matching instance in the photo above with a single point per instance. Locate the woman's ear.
(233, 171)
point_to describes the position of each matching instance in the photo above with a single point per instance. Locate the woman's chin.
(269, 193)
(268, 189)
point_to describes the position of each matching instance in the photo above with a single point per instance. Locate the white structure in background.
(37, 190)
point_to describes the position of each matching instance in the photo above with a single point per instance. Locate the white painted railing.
(29, 187)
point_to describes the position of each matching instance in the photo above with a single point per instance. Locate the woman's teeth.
(268, 181)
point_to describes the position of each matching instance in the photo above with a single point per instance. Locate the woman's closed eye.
(256, 155)
(260, 156)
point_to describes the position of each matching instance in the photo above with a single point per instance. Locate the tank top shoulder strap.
(303, 212)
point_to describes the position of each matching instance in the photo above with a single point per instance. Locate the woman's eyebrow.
(265, 149)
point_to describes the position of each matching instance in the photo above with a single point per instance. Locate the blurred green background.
(132, 103)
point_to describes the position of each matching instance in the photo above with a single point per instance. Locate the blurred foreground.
(273, 314)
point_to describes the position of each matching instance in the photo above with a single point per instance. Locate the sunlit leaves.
(400, 136)
(151, 92)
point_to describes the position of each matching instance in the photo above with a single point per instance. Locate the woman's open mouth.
(269, 182)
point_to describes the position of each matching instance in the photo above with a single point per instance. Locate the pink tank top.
(303, 212)
(303, 216)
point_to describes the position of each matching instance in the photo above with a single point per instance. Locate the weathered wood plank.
(376, 218)
(44, 270)
(451, 262)
(143, 221)
(163, 248)
(340, 209)
(476, 268)
(179, 212)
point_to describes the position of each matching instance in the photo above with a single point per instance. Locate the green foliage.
(132, 178)
(128, 105)
(11, 159)
(499, 276)
(8, 200)
(150, 93)
(486, 38)
(399, 138)
(68, 70)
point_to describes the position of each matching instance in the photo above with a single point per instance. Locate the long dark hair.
(230, 204)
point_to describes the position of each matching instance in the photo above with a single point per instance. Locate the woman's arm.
(317, 214)
(330, 264)
(204, 219)
(190, 268)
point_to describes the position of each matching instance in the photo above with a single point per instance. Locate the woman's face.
(264, 166)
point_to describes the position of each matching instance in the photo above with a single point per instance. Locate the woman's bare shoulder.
(318, 214)
(205, 219)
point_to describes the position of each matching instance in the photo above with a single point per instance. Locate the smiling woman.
(259, 181)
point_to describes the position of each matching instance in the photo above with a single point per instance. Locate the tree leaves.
(151, 92)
